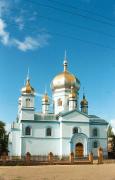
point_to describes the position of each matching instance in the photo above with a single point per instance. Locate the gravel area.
(59, 172)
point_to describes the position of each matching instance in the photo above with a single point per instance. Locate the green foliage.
(3, 138)
(110, 132)
(113, 143)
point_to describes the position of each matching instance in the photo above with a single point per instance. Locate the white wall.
(16, 143)
(37, 146)
(67, 128)
(101, 138)
(27, 115)
(39, 129)
(64, 96)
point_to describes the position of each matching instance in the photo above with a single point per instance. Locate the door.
(79, 150)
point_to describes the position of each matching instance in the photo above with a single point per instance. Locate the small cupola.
(45, 104)
(28, 89)
(84, 105)
(45, 98)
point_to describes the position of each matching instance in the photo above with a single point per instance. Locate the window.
(95, 132)
(75, 130)
(59, 102)
(27, 102)
(48, 132)
(28, 131)
(19, 102)
(95, 144)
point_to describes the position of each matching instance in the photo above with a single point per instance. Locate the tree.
(110, 131)
(111, 140)
(3, 139)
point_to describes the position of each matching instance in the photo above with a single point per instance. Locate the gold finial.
(65, 62)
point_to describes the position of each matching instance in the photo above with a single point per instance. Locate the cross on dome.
(65, 63)
(28, 74)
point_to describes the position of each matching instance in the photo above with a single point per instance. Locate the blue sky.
(36, 33)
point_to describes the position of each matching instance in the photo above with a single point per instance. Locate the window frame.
(59, 102)
(48, 128)
(28, 102)
(74, 129)
(95, 144)
(95, 132)
(30, 130)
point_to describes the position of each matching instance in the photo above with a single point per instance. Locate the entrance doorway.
(79, 150)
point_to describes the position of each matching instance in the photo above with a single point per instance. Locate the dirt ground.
(59, 172)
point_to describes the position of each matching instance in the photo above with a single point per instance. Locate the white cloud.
(20, 22)
(29, 43)
(4, 36)
(4, 7)
(112, 122)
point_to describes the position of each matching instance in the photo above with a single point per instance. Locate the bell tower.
(45, 104)
(26, 102)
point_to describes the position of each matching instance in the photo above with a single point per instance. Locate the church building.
(68, 128)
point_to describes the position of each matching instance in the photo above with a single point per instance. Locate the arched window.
(59, 102)
(27, 130)
(28, 102)
(75, 130)
(95, 144)
(95, 132)
(48, 132)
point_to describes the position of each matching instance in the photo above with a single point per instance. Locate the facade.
(66, 129)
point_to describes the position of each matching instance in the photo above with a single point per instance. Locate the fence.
(28, 159)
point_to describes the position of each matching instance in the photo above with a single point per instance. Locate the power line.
(73, 38)
(74, 7)
(82, 40)
(72, 13)
(55, 20)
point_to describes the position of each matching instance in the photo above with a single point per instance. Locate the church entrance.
(79, 150)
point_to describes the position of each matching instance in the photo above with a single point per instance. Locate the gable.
(74, 116)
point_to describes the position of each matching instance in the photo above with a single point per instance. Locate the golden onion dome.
(65, 80)
(45, 98)
(72, 94)
(28, 88)
(84, 102)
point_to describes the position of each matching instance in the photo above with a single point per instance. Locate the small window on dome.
(59, 102)
(28, 102)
